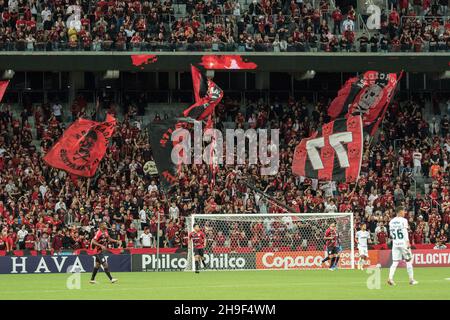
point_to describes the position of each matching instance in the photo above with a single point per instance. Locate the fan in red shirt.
(4, 242)
(199, 241)
(99, 243)
(331, 238)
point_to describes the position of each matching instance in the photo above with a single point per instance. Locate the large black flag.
(160, 140)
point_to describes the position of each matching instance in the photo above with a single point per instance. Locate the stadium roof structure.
(438, 62)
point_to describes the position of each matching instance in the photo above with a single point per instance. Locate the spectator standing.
(146, 239)
(417, 161)
(57, 111)
(46, 14)
(337, 19)
(21, 234)
(174, 211)
(132, 234)
(143, 218)
(348, 25)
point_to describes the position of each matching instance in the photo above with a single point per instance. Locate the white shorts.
(363, 251)
(401, 253)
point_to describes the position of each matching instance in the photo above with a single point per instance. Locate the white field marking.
(115, 287)
(447, 279)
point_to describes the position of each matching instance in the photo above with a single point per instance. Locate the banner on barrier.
(305, 259)
(421, 258)
(223, 261)
(178, 262)
(60, 264)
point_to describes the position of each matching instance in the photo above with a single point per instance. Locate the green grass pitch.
(295, 284)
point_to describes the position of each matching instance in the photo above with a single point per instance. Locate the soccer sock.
(203, 263)
(107, 273)
(326, 259)
(332, 262)
(94, 273)
(409, 268)
(336, 262)
(392, 269)
(197, 266)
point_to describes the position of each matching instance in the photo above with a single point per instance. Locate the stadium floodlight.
(282, 241)
(111, 74)
(7, 74)
(443, 75)
(307, 75)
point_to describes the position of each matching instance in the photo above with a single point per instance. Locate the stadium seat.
(18, 253)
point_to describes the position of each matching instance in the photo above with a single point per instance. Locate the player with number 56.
(401, 248)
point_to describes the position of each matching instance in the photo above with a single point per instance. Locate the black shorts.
(332, 250)
(100, 258)
(199, 252)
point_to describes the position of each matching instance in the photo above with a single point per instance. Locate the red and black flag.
(160, 135)
(333, 153)
(368, 95)
(82, 146)
(226, 62)
(207, 96)
(3, 86)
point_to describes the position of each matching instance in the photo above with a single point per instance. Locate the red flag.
(226, 62)
(141, 59)
(82, 146)
(336, 106)
(207, 96)
(3, 86)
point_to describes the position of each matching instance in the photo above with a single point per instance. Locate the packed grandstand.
(232, 25)
(47, 210)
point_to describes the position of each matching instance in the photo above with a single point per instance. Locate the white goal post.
(280, 241)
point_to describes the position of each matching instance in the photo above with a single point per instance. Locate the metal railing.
(202, 46)
(362, 26)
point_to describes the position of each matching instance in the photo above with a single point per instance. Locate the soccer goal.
(271, 241)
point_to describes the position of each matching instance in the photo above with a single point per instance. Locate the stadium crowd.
(225, 25)
(42, 208)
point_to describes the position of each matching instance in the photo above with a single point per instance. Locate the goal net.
(270, 241)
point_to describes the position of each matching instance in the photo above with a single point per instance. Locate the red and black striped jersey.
(198, 239)
(102, 238)
(334, 235)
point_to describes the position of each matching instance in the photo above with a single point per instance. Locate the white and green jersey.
(362, 237)
(398, 231)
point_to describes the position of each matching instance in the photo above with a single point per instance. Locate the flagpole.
(87, 188)
(265, 195)
(157, 239)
